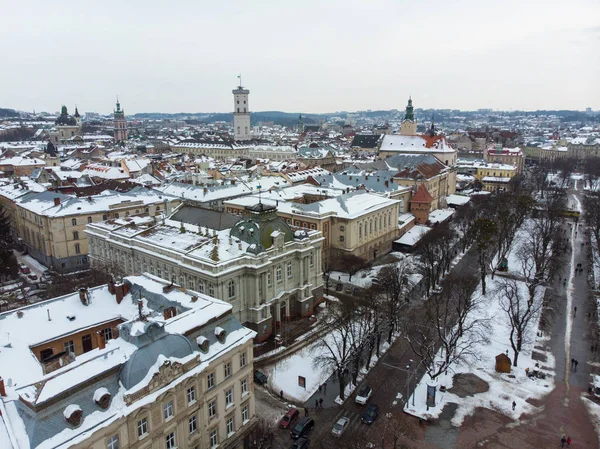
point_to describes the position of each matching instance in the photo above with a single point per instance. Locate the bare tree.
(435, 254)
(591, 169)
(511, 210)
(347, 262)
(262, 435)
(484, 231)
(336, 343)
(392, 285)
(521, 311)
(447, 323)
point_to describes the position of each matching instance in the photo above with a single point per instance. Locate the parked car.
(302, 427)
(260, 378)
(24, 268)
(300, 443)
(32, 276)
(340, 426)
(370, 414)
(363, 395)
(46, 275)
(290, 417)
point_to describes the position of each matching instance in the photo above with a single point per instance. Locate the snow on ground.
(33, 264)
(503, 388)
(594, 412)
(284, 374)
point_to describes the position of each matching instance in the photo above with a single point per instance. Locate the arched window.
(360, 230)
(380, 226)
(89, 219)
(104, 217)
(74, 222)
(75, 235)
(77, 248)
(231, 288)
(341, 229)
(370, 226)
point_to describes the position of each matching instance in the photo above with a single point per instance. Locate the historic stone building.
(120, 124)
(268, 272)
(139, 364)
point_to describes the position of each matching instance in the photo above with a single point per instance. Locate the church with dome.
(66, 127)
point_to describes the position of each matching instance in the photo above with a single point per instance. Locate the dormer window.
(203, 343)
(220, 333)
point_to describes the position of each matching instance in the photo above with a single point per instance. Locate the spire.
(118, 105)
(409, 115)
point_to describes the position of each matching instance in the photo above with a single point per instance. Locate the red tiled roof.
(422, 195)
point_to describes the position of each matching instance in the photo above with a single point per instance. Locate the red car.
(289, 418)
(24, 269)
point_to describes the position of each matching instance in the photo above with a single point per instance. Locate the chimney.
(100, 340)
(111, 286)
(2, 389)
(205, 190)
(83, 297)
(57, 201)
(121, 291)
(233, 182)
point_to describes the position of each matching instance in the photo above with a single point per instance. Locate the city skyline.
(313, 58)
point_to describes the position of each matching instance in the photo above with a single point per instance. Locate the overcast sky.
(307, 56)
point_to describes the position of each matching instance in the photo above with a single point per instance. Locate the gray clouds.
(311, 56)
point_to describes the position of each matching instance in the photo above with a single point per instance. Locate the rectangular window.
(229, 397)
(269, 280)
(142, 427)
(170, 438)
(278, 273)
(211, 289)
(191, 395)
(243, 359)
(311, 260)
(108, 335)
(210, 381)
(168, 410)
(112, 442)
(75, 235)
(77, 248)
(245, 413)
(214, 438)
(192, 425)
(289, 270)
(212, 408)
(230, 426)
(69, 346)
(244, 386)
(227, 369)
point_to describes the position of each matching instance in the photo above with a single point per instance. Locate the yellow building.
(495, 177)
(135, 365)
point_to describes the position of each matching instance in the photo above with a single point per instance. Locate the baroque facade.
(268, 272)
(142, 364)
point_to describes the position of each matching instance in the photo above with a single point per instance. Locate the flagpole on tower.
(240, 78)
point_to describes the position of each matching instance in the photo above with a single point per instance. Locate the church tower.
(300, 125)
(241, 113)
(120, 124)
(408, 127)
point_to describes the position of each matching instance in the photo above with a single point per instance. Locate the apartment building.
(51, 225)
(266, 271)
(140, 364)
(508, 156)
(358, 223)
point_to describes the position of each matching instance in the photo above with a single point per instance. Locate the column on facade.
(257, 297)
(301, 264)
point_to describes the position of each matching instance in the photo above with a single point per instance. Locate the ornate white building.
(268, 272)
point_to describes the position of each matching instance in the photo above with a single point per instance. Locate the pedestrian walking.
(575, 311)
(568, 441)
(572, 363)
(320, 388)
(576, 363)
(316, 403)
(281, 394)
(514, 404)
(321, 403)
(563, 440)
(305, 411)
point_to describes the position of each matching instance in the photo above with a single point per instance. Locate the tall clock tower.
(120, 124)
(241, 113)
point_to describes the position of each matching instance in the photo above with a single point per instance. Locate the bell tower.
(120, 124)
(241, 113)
(408, 127)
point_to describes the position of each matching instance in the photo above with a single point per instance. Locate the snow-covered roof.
(457, 200)
(413, 235)
(421, 144)
(22, 161)
(145, 343)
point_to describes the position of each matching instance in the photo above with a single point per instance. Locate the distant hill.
(8, 113)
(278, 117)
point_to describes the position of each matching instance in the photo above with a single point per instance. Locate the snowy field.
(504, 388)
